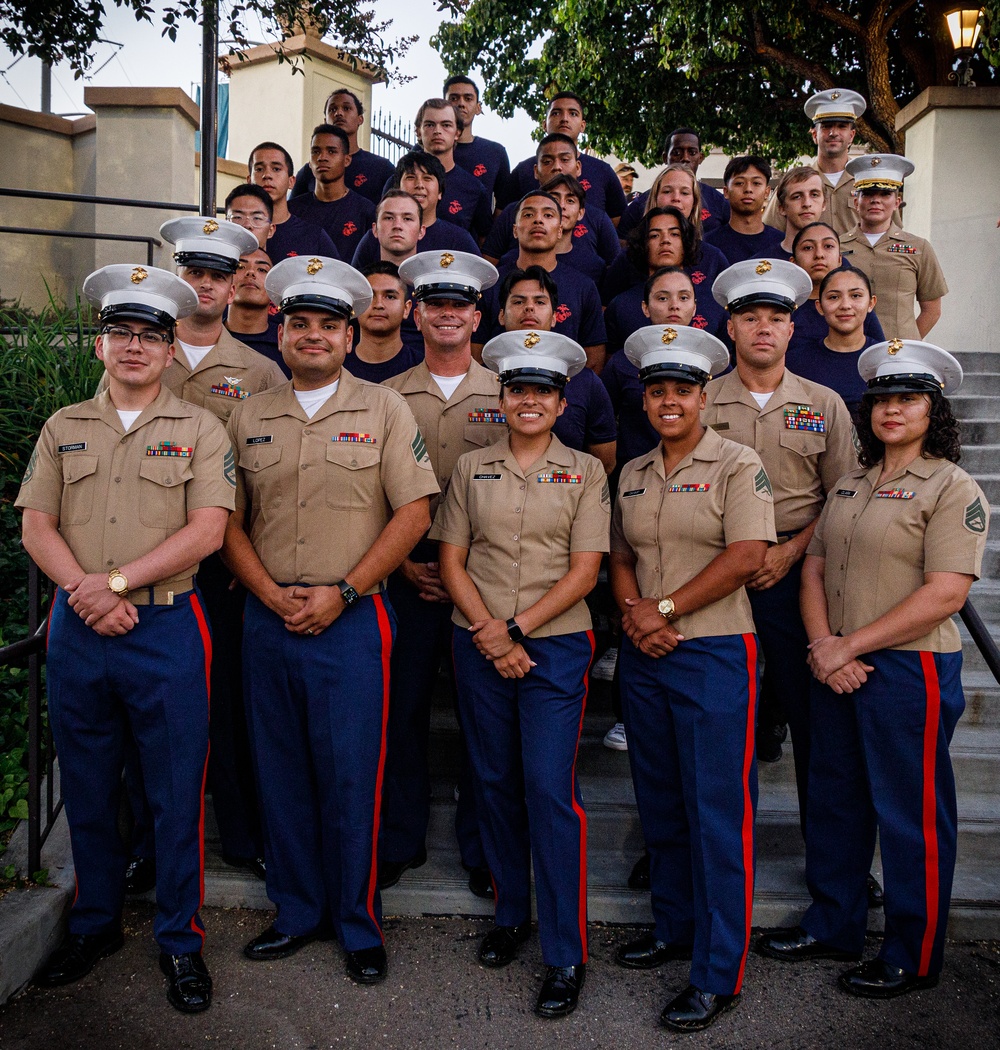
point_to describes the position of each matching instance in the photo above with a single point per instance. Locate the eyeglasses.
(255, 221)
(121, 338)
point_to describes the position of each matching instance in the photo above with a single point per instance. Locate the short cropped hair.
(275, 146)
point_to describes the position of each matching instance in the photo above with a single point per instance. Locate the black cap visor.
(311, 301)
(904, 383)
(463, 292)
(536, 376)
(138, 312)
(207, 261)
(762, 299)
(673, 370)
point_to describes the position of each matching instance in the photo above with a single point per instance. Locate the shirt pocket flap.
(482, 435)
(353, 455)
(259, 456)
(167, 471)
(77, 466)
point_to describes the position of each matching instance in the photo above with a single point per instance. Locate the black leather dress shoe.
(272, 944)
(560, 990)
(876, 895)
(481, 882)
(646, 953)
(391, 871)
(367, 965)
(255, 865)
(877, 979)
(694, 1009)
(140, 875)
(499, 947)
(769, 741)
(189, 986)
(639, 877)
(795, 945)
(76, 956)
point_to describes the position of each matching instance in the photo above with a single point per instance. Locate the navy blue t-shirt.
(588, 418)
(294, 236)
(407, 357)
(346, 220)
(580, 256)
(625, 316)
(598, 178)
(714, 211)
(440, 236)
(738, 247)
(594, 229)
(366, 174)
(578, 315)
(622, 275)
(811, 326)
(636, 435)
(265, 343)
(839, 371)
(487, 161)
(464, 202)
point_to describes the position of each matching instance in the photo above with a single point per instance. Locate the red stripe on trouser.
(385, 633)
(578, 809)
(932, 719)
(750, 641)
(206, 641)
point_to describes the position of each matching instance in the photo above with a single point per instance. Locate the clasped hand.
(647, 630)
(509, 659)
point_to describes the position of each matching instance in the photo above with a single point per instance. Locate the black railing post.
(35, 589)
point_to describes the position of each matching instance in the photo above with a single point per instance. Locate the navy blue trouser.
(318, 708)
(423, 640)
(786, 681)
(230, 768)
(690, 717)
(152, 685)
(523, 735)
(880, 762)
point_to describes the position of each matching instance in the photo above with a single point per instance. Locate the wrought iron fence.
(391, 135)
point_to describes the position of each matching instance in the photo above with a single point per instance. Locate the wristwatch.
(117, 583)
(348, 593)
(514, 632)
(665, 607)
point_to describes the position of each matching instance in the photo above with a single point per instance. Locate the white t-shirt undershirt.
(874, 237)
(128, 418)
(761, 399)
(448, 384)
(195, 354)
(312, 400)
(834, 176)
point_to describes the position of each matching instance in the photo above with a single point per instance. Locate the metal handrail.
(86, 198)
(32, 231)
(982, 637)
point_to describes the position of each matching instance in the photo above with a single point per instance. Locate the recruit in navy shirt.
(487, 161)
(738, 247)
(598, 178)
(346, 220)
(366, 174)
(296, 237)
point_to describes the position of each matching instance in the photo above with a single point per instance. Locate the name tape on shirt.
(76, 446)
(230, 390)
(486, 477)
(719, 426)
(895, 494)
(702, 486)
(487, 415)
(352, 437)
(261, 439)
(632, 492)
(167, 448)
(847, 493)
(559, 477)
(802, 417)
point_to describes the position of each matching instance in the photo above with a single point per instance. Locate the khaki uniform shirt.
(879, 541)
(803, 436)
(471, 418)
(320, 491)
(839, 210)
(118, 496)
(520, 527)
(228, 374)
(675, 525)
(903, 270)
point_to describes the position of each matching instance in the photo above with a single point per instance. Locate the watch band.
(348, 593)
(514, 632)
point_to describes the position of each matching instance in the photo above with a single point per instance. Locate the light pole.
(963, 28)
(209, 103)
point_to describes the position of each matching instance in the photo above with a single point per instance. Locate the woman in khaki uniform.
(692, 521)
(897, 547)
(521, 534)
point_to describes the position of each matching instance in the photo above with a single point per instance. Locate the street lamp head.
(964, 27)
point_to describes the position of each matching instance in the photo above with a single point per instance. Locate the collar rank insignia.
(894, 494)
(669, 335)
(762, 267)
(532, 339)
(703, 486)
(138, 275)
(314, 266)
(802, 417)
(168, 448)
(446, 260)
(354, 438)
(560, 477)
(895, 345)
(211, 226)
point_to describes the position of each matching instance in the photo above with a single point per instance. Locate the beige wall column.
(953, 199)
(145, 148)
(270, 103)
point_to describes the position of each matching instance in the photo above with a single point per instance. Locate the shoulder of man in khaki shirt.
(471, 418)
(521, 527)
(320, 491)
(880, 540)
(119, 495)
(674, 526)
(803, 435)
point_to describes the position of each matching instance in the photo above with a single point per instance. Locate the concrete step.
(979, 361)
(979, 431)
(985, 596)
(979, 458)
(980, 382)
(975, 404)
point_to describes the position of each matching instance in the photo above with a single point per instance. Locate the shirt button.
(304, 465)
(517, 510)
(118, 481)
(306, 431)
(300, 540)
(521, 487)
(114, 521)
(444, 444)
(513, 564)
(302, 503)
(516, 536)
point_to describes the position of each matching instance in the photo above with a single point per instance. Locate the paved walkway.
(437, 996)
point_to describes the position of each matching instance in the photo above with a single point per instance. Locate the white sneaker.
(614, 738)
(604, 669)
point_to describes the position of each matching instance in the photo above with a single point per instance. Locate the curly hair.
(940, 442)
(637, 249)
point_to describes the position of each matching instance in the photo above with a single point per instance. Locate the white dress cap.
(318, 283)
(835, 104)
(676, 352)
(901, 365)
(754, 281)
(534, 357)
(201, 240)
(139, 293)
(882, 170)
(448, 275)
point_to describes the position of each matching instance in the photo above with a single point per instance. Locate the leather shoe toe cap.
(189, 986)
(272, 944)
(367, 965)
(560, 990)
(694, 1010)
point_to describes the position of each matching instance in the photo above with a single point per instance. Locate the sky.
(149, 60)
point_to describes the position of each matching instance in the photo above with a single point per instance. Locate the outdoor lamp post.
(963, 27)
